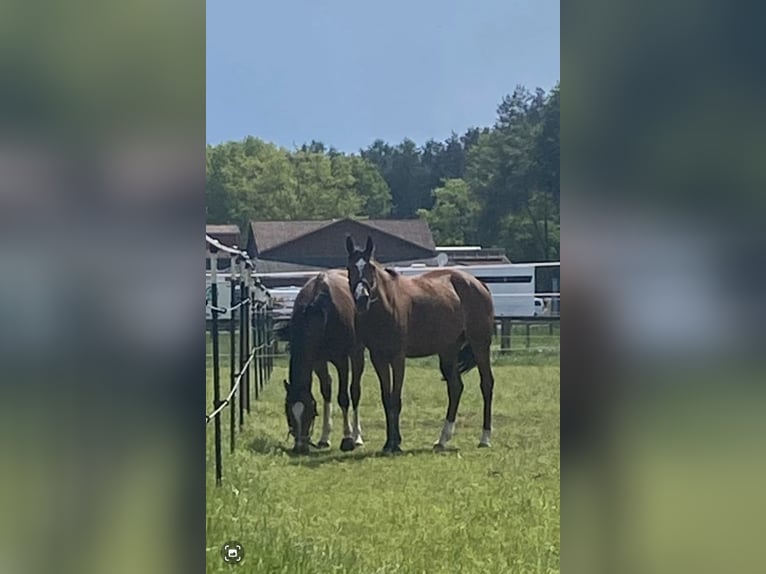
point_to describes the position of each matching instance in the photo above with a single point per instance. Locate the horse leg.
(342, 366)
(395, 402)
(487, 386)
(384, 376)
(448, 367)
(325, 385)
(357, 368)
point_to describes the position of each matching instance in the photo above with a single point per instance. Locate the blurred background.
(663, 396)
(101, 218)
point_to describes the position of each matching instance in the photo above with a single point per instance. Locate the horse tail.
(465, 359)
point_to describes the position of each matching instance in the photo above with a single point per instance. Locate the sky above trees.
(347, 73)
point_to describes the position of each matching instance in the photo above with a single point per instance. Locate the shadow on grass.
(317, 458)
(268, 445)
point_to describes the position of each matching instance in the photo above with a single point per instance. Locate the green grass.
(468, 510)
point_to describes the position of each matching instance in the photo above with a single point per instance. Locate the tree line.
(495, 186)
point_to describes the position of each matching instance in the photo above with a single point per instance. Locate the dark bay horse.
(322, 330)
(442, 312)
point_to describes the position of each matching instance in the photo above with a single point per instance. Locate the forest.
(495, 186)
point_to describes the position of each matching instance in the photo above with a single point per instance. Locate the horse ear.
(349, 245)
(369, 248)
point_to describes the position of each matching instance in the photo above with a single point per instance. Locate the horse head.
(361, 273)
(300, 410)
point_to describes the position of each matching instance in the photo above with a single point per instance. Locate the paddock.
(475, 510)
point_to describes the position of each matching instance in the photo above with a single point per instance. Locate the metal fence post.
(257, 344)
(246, 337)
(216, 366)
(232, 354)
(242, 350)
(270, 334)
(505, 334)
(264, 341)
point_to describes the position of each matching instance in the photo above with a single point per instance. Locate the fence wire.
(226, 401)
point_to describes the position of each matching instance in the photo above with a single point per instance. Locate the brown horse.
(322, 330)
(442, 312)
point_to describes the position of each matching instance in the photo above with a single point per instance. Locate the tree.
(324, 188)
(513, 172)
(371, 188)
(252, 179)
(403, 170)
(497, 185)
(453, 216)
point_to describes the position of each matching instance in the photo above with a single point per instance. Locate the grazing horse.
(442, 312)
(322, 330)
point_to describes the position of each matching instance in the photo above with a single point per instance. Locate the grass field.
(469, 510)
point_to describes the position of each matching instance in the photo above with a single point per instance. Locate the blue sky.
(346, 72)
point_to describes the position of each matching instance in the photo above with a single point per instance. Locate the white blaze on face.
(297, 410)
(360, 263)
(359, 291)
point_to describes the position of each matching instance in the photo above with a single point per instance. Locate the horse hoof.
(347, 444)
(483, 445)
(359, 442)
(323, 444)
(302, 449)
(439, 447)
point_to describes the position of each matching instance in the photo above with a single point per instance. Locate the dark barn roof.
(319, 243)
(227, 234)
(271, 234)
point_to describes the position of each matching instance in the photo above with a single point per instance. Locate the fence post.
(246, 336)
(242, 350)
(272, 341)
(527, 335)
(216, 366)
(264, 350)
(267, 338)
(259, 352)
(505, 334)
(260, 341)
(232, 353)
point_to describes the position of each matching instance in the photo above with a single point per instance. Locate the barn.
(290, 246)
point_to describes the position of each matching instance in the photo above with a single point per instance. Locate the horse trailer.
(518, 289)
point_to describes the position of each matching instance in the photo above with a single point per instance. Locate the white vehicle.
(224, 295)
(512, 285)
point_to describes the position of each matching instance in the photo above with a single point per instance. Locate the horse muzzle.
(362, 297)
